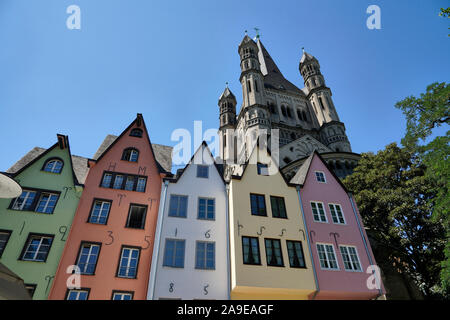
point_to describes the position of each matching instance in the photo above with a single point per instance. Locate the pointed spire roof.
(245, 40)
(273, 78)
(306, 57)
(227, 94)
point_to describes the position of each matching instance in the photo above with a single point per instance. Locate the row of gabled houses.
(121, 226)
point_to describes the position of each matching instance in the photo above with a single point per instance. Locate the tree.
(395, 198)
(424, 114)
(445, 13)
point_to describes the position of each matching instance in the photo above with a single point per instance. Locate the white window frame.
(324, 211)
(331, 213)
(52, 169)
(28, 192)
(78, 292)
(138, 183)
(100, 211)
(110, 181)
(346, 247)
(122, 295)
(114, 182)
(326, 254)
(128, 263)
(324, 177)
(91, 245)
(30, 239)
(48, 200)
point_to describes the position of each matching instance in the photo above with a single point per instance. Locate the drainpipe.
(156, 244)
(309, 243)
(364, 240)
(227, 191)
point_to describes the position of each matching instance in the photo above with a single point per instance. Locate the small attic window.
(53, 165)
(263, 169)
(320, 177)
(136, 133)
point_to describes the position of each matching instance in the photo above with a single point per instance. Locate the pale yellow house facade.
(270, 257)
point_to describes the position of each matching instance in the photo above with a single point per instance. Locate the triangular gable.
(202, 147)
(300, 178)
(63, 142)
(140, 121)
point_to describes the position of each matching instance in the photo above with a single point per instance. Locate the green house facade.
(34, 227)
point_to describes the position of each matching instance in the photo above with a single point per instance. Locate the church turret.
(318, 93)
(227, 106)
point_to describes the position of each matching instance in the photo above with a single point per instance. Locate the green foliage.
(424, 114)
(395, 198)
(445, 13)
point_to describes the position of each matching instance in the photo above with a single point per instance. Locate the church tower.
(254, 114)
(227, 107)
(332, 130)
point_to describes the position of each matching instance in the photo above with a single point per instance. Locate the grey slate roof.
(79, 163)
(273, 78)
(302, 172)
(227, 93)
(163, 154)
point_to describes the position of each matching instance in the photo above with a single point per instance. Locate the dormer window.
(320, 176)
(53, 165)
(136, 133)
(130, 154)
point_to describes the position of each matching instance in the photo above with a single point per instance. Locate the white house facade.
(191, 256)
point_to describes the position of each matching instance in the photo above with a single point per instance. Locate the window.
(273, 253)
(100, 211)
(206, 209)
(118, 182)
(205, 255)
(136, 133)
(174, 253)
(263, 169)
(4, 238)
(128, 264)
(53, 165)
(351, 259)
(278, 207)
(289, 112)
(321, 103)
(283, 111)
(136, 216)
(178, 206)
(77, 294)
(129, 184)
(120, 295)
(202, 171)
(295, 253)
(318, 212)
(123, 181)
(320, 176)
(256, 86)
(37, 247)
(327, 257)
(106, 182)
(258, 205)
(130, 154)
(47, 203)
(336, 213)
(140, 187)
(31, 288)
(87, 257)
(250, 250)
(249, 86)
(25, 201)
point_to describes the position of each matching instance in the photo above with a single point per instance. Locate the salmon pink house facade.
(338, 242)
(111, 239)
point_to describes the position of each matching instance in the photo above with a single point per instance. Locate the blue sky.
(170, 60)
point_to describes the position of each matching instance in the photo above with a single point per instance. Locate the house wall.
(114, 234)
(188, 282)
(266, 282)
(22, 223)
(340, 284)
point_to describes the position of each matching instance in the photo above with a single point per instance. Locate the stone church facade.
(306, 118)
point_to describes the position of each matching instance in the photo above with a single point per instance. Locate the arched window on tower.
(304, 115)
(256, 86)
(288, 109)
(283, 111)
(249, 86)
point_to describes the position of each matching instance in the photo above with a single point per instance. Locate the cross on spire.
(257, 32)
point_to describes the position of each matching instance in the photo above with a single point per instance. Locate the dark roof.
(163, 154)
(227, 94)
(300, 177)
(273, 78)
(79, 164)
